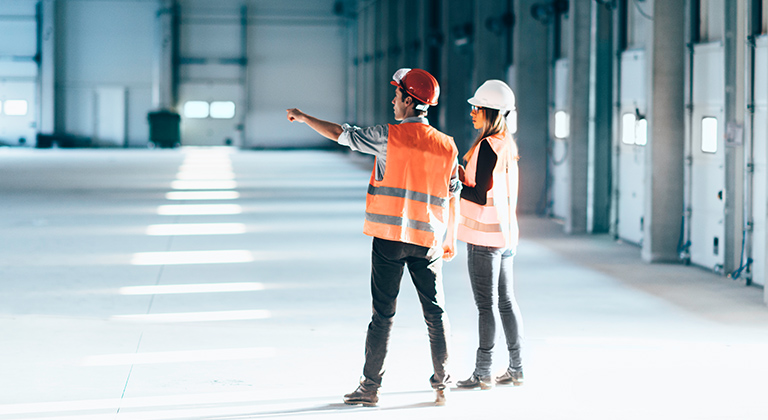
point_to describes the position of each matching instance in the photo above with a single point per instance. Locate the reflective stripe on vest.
(399, 221)
(482, 227)
(410, 204)
(410, 195)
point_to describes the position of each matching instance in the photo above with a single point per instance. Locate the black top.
(486, 161)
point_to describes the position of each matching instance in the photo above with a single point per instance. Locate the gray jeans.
(389, 259)
(490, 269)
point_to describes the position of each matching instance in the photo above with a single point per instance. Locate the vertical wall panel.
(301, 67)
(760, 161)
(631, 162)
(456, 76)
(104, 43)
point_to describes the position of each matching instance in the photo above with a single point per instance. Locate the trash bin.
(164, 128)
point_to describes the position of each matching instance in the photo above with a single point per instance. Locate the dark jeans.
(490, 269)
(425, 265)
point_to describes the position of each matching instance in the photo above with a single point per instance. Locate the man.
(411, 211)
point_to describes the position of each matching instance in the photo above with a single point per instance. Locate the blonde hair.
(494, 122)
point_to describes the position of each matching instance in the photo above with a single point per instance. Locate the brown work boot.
(514, 377)
(440, 396)
(365, 395)
(474, 381)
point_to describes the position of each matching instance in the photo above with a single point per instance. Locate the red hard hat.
(417, 83)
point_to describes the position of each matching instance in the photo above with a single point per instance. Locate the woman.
(489, 227)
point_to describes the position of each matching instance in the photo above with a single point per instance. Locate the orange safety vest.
(495, 223)
(410, 203)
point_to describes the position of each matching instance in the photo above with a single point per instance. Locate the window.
(634, 131)
(196, 109)
(641, 132)
(15, 107)
(512, 122)
(709, 135)
(562, 128)
(215, 109)
(223, 109)
(628, 128)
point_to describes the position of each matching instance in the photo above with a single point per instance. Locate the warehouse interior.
(171, 247)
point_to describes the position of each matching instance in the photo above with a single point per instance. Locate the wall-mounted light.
(462, 34)
(545, 12)
(497, 24)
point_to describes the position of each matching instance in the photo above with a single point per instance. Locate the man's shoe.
(440, 396)
(514, 377)
(474, 381)
(367, 396)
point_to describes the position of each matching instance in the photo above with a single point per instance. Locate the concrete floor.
(106, 314)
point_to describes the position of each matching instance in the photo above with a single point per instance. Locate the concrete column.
(578, 109)
(529, 79)
(163, 65)
(363, 34)
(734, 116)
(415, 30)
(47, 72)
(666, 132)
(381, 75)
(367, 32)
(393, 57)
(456, 77)
(490, 41)
(397, 31)
(600, 120)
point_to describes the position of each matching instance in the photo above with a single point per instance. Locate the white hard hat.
(494, 94)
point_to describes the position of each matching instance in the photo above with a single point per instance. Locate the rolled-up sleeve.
(370, 140)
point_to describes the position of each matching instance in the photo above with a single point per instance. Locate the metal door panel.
(210, 131)
(18, 129)
(631, 162)
(708, 169)
(558, 164)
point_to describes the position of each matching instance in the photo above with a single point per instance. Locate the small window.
(641, 132)
(512, 122)
(223, 109)
(634, 131)
(562, 128)
(15, 107)
(709, 135)
(196, 109)
(628, 128)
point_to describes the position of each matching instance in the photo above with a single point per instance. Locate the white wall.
(18, 72)
(104, 44)
(302, 66)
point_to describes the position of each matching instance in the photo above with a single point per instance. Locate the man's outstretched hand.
(295, 114)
